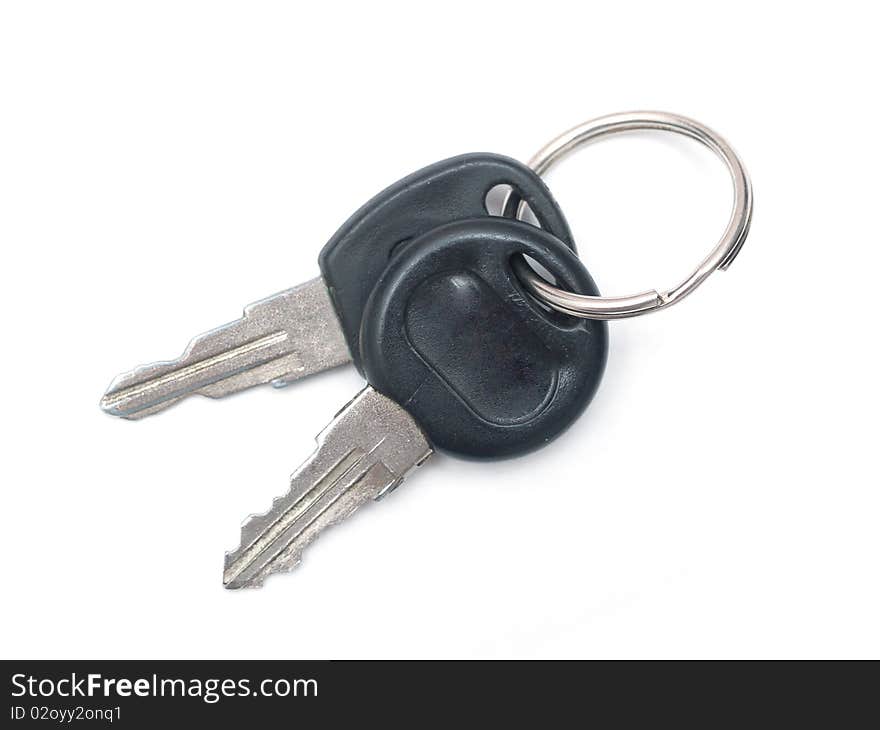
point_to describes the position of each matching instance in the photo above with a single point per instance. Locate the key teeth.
(364, 453)
(255, 524)
(293, 556)
(251, 529)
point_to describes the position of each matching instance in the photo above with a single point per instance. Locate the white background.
(163, 164)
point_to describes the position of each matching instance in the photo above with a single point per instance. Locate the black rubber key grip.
(454, 189)
(451, 335)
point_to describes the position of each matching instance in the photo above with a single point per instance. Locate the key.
(366, 450)
(278, 340)
(459, 358)
(316, 325)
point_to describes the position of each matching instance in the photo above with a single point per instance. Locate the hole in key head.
(495, 197)
(558, 318)
(494, 203)
(540, 269)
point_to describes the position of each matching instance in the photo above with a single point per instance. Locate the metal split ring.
(720, 257)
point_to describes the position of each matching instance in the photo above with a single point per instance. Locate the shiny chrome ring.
(720, 257)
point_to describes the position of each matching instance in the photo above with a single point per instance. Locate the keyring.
(720, 257)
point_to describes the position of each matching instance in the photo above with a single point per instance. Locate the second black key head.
(451, 335)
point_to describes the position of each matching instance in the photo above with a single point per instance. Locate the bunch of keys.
(464, 346)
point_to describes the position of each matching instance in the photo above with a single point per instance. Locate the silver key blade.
(280, 339)
(365, 451)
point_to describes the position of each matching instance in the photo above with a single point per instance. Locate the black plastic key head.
(451, 335)
(447, 191)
